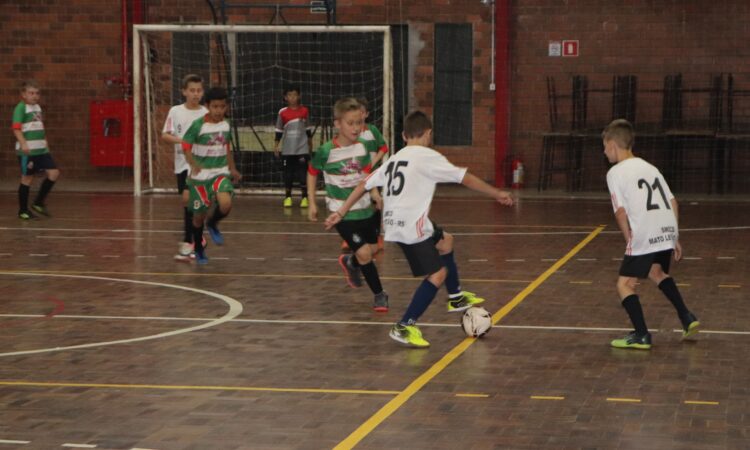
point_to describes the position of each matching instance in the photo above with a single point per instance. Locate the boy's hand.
(236, 175)
(377, 198)
(505, 198)
(25, 148)
(677, 251)
(312, 212)
(333, 219)
(194, 170)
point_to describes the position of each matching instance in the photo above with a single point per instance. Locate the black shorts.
(423, 257)
(31, 165)
(181, 181)
(639, 266)
(357, 233)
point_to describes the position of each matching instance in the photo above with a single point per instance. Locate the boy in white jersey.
(178, 121)
(408, 180)
(207, 149)
(646, 213)
(345, 162)
(31, 149)
(378, 148)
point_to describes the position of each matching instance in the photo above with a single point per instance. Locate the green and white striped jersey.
(343, 168)
(28, 119)
(209, 145)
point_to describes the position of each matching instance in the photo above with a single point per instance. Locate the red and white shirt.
(408, 179)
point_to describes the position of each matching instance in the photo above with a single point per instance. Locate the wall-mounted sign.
(570, 48)
(555, 48)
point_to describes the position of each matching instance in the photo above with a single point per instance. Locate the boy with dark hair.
(292, 129)
(178, 121)
(408, 180)
(646, 213)
(31, 149)
(344, 161)
(207, 149)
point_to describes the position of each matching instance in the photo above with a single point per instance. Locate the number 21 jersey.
(408, 179)
(641, 190)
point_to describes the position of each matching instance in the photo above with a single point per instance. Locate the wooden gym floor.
(108, 343)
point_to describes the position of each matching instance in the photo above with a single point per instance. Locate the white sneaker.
(185, 248)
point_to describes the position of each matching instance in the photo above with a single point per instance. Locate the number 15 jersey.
(408, 179)
(641, 190)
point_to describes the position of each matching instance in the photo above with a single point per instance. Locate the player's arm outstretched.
(476, 184)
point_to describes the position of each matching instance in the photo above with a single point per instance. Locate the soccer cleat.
(690, 326)
(304, 203)
(25, 215)
(201, 258)
(464, 302)
(633, 340)
(380, 303)
(409, 335)
(352, 274)
(215, 234)
(41, 209)
(288, 202)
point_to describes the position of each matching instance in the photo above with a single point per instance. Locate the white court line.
(725, 257)
(89, 238)
(477, 260)
(69, 445)
(146, 256)
(6, 254)
(549, 259)
(235, 309)
(11, 441)
(110, 256)
(351, 322)
(586, 259)
(692, 258)
(220, 258)
(292, 259)
(251, 258)
(38, 254)
(515, 260)
(74, 256)
(328, 259)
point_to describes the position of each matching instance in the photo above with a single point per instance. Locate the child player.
(206, 145)
(646, 212)
(31, 149)
(408, 180)
(295, 138)
(345, 162)
(178, 121)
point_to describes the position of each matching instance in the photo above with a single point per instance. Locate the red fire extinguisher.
(517, 167)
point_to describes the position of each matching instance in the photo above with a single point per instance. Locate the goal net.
(254, 63)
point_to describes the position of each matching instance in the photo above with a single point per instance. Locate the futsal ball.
(476, 321)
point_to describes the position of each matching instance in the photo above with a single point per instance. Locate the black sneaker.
(380, 303)
(352, 274)
(690, 326)
(633, 340)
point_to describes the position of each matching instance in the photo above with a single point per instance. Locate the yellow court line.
(623, 400)
(580, 282)
(234, 275)
(197, 388)
(730, 286)
(696, 402)
(473, 395)
(546, 397)
(389, 408)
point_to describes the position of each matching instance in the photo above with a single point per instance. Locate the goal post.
(254, 63)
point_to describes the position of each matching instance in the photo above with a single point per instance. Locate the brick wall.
(73, 46)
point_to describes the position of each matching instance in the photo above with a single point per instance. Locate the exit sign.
(570, 48)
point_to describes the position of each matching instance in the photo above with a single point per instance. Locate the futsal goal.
(254, 63)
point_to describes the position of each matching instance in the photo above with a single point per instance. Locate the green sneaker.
(633, 340)
(464, 302)
(690, 326)
(288, 202)
(304, 203)
(409, 335)
(25, 215)
(41, 209)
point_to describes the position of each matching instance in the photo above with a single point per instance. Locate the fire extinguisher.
(517, 167)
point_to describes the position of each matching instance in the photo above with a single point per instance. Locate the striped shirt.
(209, 144)
(343, 168)
(28, 119)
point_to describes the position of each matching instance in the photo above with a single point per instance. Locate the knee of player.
(438, 278)
(445, 245)
(364, 254)
(626, 283)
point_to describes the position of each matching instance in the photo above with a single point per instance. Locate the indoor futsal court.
(132, 129)
(110, 344)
